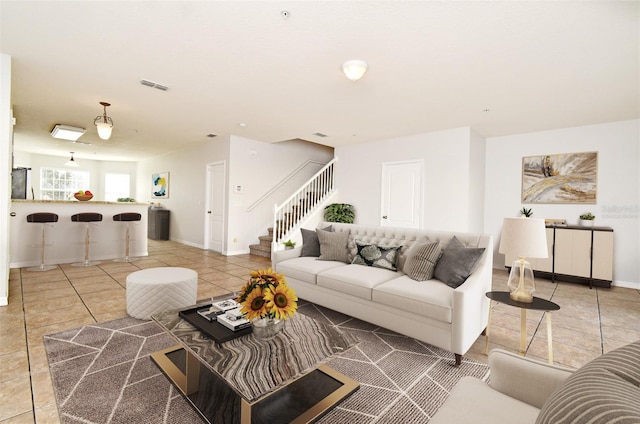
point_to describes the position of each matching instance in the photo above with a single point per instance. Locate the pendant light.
(71, 162)
(103, 123)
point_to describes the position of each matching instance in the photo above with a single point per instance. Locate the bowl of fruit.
(83, 195)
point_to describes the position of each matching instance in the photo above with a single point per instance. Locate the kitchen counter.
(65, 240)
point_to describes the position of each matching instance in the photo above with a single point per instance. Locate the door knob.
(208, 211)
(384, 216)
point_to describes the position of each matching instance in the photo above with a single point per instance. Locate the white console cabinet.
(576, 254)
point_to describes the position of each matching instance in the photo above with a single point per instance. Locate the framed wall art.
(160, 185)
(560, 178)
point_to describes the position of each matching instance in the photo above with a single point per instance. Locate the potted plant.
(339, 212)
(288, 245)
(526, 212)
(586, 219)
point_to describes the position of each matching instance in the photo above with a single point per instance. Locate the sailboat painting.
(560, 178)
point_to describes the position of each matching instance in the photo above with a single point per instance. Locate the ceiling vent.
(154, 85)
(319, 134)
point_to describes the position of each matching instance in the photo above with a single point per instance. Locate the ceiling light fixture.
(67, 132)
(354, 69)
(104, 123)
(71, 162)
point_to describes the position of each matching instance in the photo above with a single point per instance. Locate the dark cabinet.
(158, 224)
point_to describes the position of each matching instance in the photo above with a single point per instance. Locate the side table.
(538, 304)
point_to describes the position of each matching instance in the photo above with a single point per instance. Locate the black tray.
(216, 331)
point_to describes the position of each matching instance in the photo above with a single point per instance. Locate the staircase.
(291, 213)
(264, 248)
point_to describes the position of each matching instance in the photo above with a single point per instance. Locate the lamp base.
(521, 283)
(521, 297)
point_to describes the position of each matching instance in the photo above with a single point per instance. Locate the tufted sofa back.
(405, 237)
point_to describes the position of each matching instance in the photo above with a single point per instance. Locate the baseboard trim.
(626, 285)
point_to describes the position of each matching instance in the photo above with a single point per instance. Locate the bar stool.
(43, 218)
(87, 217)
(127, 217)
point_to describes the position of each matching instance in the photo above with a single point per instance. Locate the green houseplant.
(526, 212)
(586, 219)
(289, 244)
(339, 212)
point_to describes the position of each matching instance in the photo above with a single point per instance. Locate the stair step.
(260, 250)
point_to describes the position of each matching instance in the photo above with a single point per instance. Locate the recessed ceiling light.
(319, 134)
(486, 110)
(67, 132)
(242, 125)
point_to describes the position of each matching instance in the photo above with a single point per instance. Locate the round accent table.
(538, 304)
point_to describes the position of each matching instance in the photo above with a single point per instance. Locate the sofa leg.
(458, 359)
(484, 332)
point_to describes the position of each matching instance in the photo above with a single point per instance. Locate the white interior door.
(215, 206)
(402, 194)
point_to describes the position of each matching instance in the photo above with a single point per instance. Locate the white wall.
(452, 183)
(256, 166)
(6, 131)
(97, 170)
(187, 186)
(618, 196)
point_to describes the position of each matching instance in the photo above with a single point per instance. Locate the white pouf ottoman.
(156, 290)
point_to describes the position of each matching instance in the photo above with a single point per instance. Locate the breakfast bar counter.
(65, 240)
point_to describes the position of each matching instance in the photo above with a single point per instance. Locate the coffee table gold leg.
(245, 412)
(193, 374)
(523, 330)
(549, 338)
(486, 332)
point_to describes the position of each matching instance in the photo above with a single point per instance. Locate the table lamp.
(523, 237)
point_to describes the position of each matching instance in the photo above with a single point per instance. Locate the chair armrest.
(524, 379)
(282, 255)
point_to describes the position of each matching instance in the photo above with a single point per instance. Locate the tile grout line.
(26, 342)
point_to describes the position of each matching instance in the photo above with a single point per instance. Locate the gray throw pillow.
(310, 242)
(333, 246)
(606, 390)
(421, 260)
(376, 256)
(457, 263)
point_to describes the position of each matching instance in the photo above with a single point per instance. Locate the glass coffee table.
(247, 380)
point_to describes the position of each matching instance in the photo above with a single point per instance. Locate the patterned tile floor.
(589, 322)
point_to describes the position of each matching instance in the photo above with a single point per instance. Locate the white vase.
(267, 328)
(586, 222)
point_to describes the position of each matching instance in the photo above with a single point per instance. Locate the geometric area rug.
(102, 374)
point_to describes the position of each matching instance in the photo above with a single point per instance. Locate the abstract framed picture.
(560, 178)
(160, 185)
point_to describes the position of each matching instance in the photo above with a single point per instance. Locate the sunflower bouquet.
(267, 295)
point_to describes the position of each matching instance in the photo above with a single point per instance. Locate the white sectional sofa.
(430, 311)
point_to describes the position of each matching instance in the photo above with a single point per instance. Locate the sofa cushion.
(457, 263)
(333, 246)
(430, 298)
(606, 390)
(310, 242)
(305, 268)
(472, 401)
(356, 280)
(376, 256)
(422, 259)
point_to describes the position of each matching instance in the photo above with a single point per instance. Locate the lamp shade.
(524, 237)
(104, 130)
